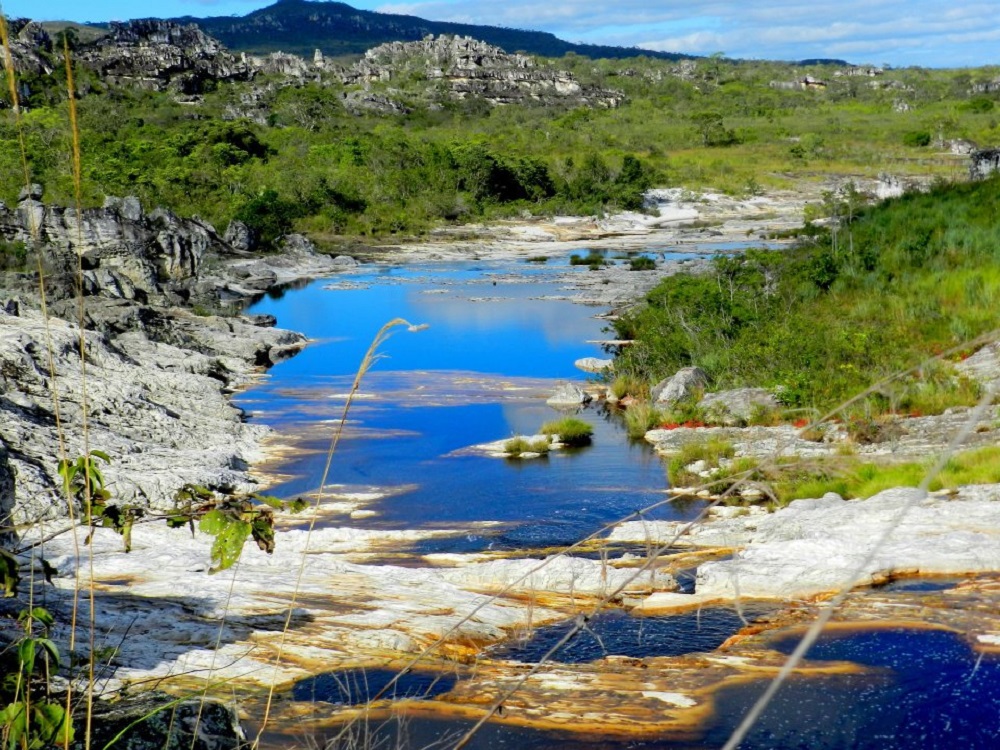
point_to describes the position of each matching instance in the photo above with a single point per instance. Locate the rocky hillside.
(338, 29)
(468, 68)
(162, 55)
(153, 393)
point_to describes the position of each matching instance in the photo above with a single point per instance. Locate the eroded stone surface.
(814, 547)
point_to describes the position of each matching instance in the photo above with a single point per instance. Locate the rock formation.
(124, 252)
(157, 55)
(29, 47)
(154, 394)
(984, 163)
(470, 68)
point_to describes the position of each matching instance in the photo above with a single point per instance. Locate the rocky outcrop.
(986, 87)
(984, 163)
(30, 48)
(686, 383)
(156, 721)
(159, 409)
(818, 546)
(738, 406)
(154, 394)
(124, 252)
(468, 68)
(157, 55)
(568, 396)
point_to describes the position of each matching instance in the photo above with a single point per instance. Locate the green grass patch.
(516, 447)
(570, 430)
(895, 286)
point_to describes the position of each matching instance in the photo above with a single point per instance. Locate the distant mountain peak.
(301, 26)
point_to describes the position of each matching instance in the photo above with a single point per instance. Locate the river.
(499, 337)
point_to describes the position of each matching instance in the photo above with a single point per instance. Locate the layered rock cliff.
(156, 54)
(152, 386)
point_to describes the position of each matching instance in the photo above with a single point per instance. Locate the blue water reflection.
(480, 372)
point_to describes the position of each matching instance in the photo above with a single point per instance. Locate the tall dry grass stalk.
(81, 313)
(370, 358)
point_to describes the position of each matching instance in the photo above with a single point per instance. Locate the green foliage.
(570, 431)
(641, 263)
(640, 418)
(13, 256)
(917, 138)
(269, 217)
(29, 718)
(517, 446)
(896, 284)
(713, 452)
(231, 519)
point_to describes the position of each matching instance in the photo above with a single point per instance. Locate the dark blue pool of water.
(616, 633)
(351, 687)
(929, 692)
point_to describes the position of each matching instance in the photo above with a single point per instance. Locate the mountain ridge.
(337, 28)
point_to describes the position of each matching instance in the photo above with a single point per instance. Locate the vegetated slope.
(893, 285)
(338, 29)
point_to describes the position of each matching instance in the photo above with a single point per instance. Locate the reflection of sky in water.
(513, 336)
(554, 500)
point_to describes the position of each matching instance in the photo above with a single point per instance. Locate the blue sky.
(930, 33)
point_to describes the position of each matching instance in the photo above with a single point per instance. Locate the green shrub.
(571, 431)
(517, 446)
(711, 451)
(641, 263)
(917, 138)
(640, 418)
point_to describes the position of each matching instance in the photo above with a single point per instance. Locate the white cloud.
(925, 32)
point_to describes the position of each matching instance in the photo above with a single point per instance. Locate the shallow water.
(480, 372)
(616, 633)
(928, 691)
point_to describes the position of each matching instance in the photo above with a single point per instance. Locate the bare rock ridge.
(148, 53)
(162, 55)
(470, 68)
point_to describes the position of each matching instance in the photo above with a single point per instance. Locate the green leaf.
(14, 720)
(43, 616)
(298, 505)
(269, 500)
(51, 647)
(51, 725)
(228, 545)
(26, 655)
(102, 455)
(213, 522)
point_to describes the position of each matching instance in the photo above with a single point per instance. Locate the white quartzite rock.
(684, 383)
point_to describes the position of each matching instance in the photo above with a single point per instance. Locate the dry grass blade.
(370, 358)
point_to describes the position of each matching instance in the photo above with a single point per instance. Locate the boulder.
(238, 236)
(685, 383)
(34, 192)
(568, 395)
(594, 364)
(738, 406)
